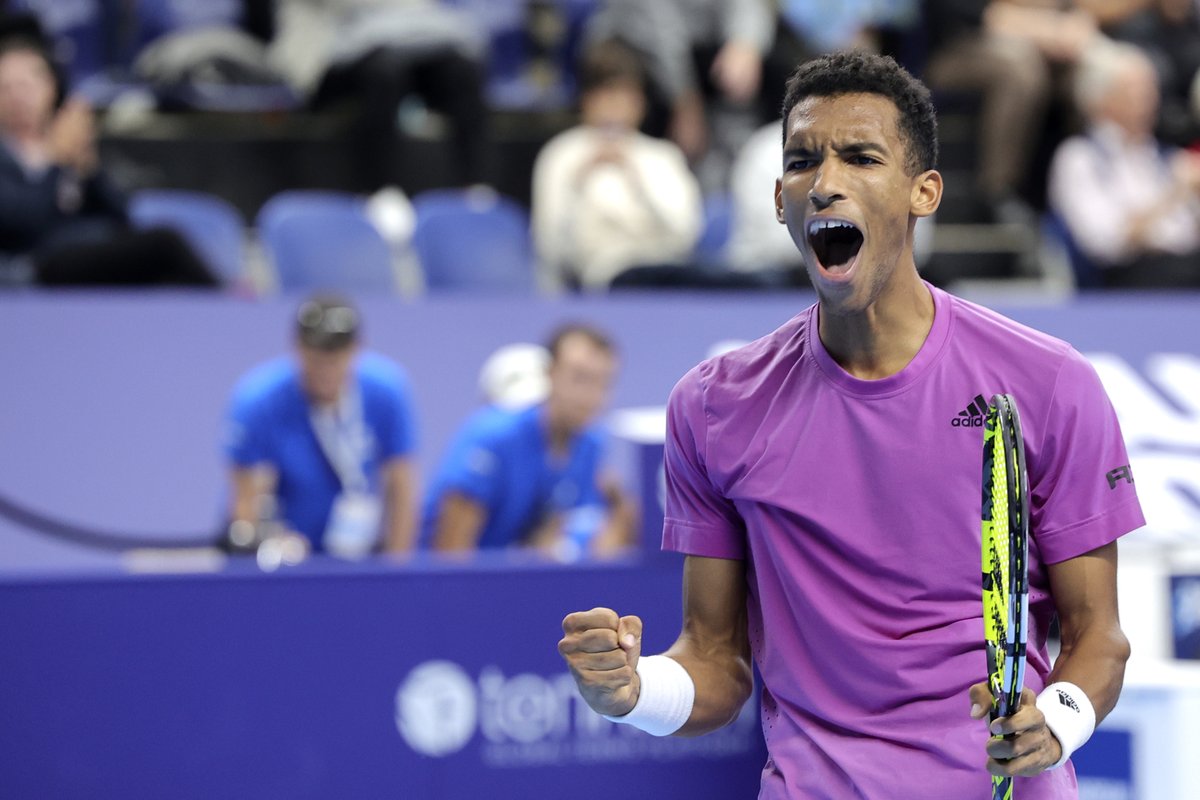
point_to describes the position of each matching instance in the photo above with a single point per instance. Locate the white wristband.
(1069, 716)
(666, 698)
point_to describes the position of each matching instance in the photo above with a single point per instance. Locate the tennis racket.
(1005, 526)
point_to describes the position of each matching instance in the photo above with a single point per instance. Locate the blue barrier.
(336, 680)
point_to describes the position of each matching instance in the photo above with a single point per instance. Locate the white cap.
(515, 375)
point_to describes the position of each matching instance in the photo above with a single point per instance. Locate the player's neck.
(881, 339)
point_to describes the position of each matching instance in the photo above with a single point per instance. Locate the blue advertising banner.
(1105, 766)
(1185, 615)
(337, 680)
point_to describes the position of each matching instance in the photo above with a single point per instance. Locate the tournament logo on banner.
(436, 708)
(1159, 411)
(528, 719)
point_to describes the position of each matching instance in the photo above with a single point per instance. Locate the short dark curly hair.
(867, 73)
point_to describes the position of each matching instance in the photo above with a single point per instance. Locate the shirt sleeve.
(474, 465)
(246, 439)
(398, 435)
(699, 520)
(1082, 491)
(551, 217)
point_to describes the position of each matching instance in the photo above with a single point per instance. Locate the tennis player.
(824, 483)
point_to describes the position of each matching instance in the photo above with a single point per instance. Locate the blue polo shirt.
(501, 460)
(268, 424)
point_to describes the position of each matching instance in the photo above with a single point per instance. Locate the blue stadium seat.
(473, 239)
(323, 240)
(210, 224)
(1084, 270)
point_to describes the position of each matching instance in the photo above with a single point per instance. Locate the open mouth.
(835, 243)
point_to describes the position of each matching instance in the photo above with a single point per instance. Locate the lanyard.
(341, 431)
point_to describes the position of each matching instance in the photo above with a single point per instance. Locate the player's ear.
(926, 193)
(779, 202)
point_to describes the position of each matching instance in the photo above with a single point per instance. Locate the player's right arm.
(602, 649)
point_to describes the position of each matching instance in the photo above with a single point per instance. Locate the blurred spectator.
(807, 29)
(605, 196)
(695, 52)
(532, 477)
(62, 221)
(377, 54)
(1012, 52)
(1168, 31)
(321, 444)
(1130, 204)
(208, 55)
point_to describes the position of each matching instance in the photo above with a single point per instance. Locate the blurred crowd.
(1068, 123)
(321, 442)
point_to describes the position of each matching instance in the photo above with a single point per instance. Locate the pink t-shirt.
(855, 505)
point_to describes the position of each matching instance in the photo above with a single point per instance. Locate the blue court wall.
(111, 411)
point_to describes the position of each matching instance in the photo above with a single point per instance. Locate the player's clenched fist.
(602, 651)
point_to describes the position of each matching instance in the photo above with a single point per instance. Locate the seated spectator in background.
(605, 196)
(1130, 204)
(807, 29)
(1012, 52)
(375, 54)
(62, 221)
(324, 440)
(699, 56)
(532, 477)
(1168, 31)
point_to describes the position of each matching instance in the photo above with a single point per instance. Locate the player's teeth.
(827, 224)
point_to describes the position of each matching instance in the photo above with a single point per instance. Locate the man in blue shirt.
(324, 440)
(531, 477)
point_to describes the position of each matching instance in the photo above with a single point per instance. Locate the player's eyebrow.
(851, 148)
(797, 150)
(857, 148)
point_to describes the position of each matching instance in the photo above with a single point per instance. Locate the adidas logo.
(973, 415)
(1067, 700)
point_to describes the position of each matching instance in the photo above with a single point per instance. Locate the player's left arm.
(1093, 656)
(399, 504)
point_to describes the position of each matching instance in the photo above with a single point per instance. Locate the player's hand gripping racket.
(1005, 562)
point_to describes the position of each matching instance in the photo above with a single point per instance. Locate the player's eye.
(862, 160)
(799, 164)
